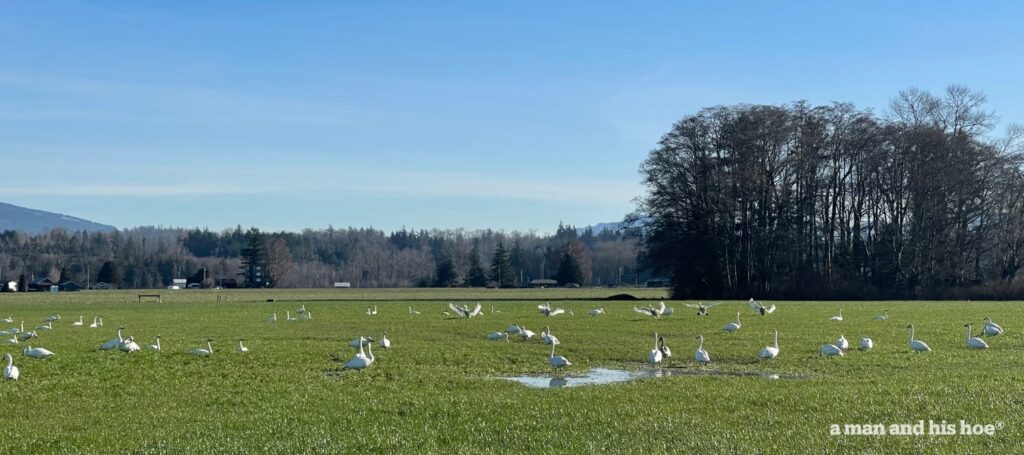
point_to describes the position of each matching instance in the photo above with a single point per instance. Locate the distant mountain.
(14, 218)
(601, 227)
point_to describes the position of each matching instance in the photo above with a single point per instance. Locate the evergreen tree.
(568, 270)
(446, 275)
(22, 284)
(254, 260)
(501, 268)
(520, 263)
(110, 274)
(476, 276)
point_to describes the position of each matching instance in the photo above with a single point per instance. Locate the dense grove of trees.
(152, 257)
(800, 201)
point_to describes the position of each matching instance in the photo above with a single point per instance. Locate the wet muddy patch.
(600, 376)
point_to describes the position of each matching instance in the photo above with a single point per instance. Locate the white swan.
(272, 318)
(513, 329)
(665, 351)
(830, 350)
(917, 345)
(557, 361)
(361, 360)
(547, 336)
(156, 346)
(547, 310)
(702, 309)
(241, 347)
(882, 317)
(10, 371)
(9, 319)
(53, 317)
(95, 322)
(596, 312)
(129, 345)
(525, 334)
(838, 317)
(654, 356)
(733, 326)
(307, 316)
(990, 328)
(79, 322)
(653, 311)
(461, 310)
(866, 344)
(972, 342)
(385, 343)
(701, 356)
(12, 340)
(761, 308)
(495, 336)
(843, 343)
(414, 312)
(204, 352)
(37, 353)
(113, 343)
(28, 336)
(771, 352)
(301, 309)
(47, 326)
(288, 317)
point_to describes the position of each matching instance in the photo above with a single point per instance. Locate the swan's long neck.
(737, 319)
(700, 347)
(552, 349)
(369, 351)
(361, 351)
(22, 326)
(119, 335)
(776, 343)
(911, 334)
(240, 345)
(157, 343)
(10, 360)
(209, 346)
(968, 327)
(655, 340)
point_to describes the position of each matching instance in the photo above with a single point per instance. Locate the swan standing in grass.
(525, 334)
(204, 352)
(733, 326)
(654, 356)
(838, 317)
(763, 310)
(513, 329)
(917, 345)
(272, 318)
(464, 311)
(385, 343)
(371, 311)
(10, 371)
(25, 336)
(866, 344)
(288, 317)
(547, 336)
(361, 360)
(53, 317)
(548, 311)
(702, 309)
(241, 347)
(113, 343)
(95, 322)
(307, 316)
(701, 356)
(47, 326)
(972, 342)
(842, 343)
(37, 353)
(301, 309)
(413, 312)
(557, 361)
(882, 317)
(653, 311)
(9, 319)
(990, 328)
(495, 336)
(79, 322)
(596, 312)
(665, 351)
(129, 345)
(12, 340)
(830, 350)
(771, 352)
(156, 345)
(16, 329)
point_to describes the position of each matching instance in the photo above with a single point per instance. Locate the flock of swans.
(364, 356)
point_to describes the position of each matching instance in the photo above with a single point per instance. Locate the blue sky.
(515, 116)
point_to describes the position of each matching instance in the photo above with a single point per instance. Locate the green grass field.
(435, 391)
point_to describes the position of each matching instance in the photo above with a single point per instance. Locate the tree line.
(150, 257)
(801, 201)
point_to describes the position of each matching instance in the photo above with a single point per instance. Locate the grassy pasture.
(435, 391)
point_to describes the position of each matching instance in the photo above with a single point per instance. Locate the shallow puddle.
(598, 376)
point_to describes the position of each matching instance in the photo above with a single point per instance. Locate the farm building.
(101, 286)
(41, 285)
(69, 286)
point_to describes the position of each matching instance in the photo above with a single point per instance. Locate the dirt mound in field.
(622, 297)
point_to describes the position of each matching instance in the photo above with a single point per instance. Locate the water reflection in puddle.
(598, 376)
